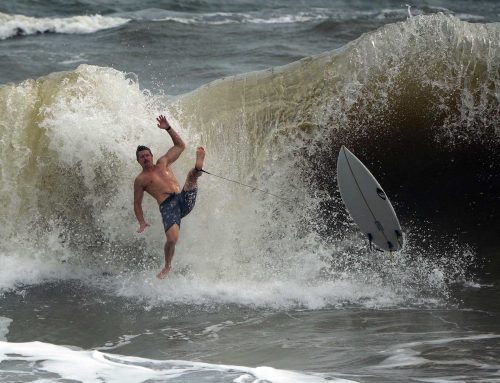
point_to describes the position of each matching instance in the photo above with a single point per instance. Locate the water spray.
(245, 185)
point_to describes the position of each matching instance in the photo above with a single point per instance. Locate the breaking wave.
(414, 100)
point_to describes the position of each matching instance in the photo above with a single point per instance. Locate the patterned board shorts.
(176, 207)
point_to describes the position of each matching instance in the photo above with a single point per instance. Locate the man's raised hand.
(162, 122)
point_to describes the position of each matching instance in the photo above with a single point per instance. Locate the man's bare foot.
(200, 157)
(163, 273)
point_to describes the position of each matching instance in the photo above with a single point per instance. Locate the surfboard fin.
(399, 236)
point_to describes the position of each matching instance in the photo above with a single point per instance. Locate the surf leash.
(245, 185)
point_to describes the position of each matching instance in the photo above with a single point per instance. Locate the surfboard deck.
(367, 202)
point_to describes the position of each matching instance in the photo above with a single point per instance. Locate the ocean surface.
(263, 289)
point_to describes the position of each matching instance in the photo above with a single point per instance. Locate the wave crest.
(19, 25)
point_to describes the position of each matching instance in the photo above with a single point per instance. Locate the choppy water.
(262, 290)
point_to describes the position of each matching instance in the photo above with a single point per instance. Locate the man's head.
(144, 156)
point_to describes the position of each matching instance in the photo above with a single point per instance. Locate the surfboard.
(367, 202)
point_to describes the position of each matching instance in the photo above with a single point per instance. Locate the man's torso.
(159, 182)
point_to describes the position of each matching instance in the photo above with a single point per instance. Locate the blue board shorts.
(176, 207)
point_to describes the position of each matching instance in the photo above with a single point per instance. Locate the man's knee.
(172, 234)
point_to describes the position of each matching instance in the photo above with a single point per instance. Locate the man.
(160, 182)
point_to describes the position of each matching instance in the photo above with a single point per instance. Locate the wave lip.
(220, 18)
(20, 25)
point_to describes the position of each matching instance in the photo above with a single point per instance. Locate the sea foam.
(94, 366)
(4, 327)
(20, 25)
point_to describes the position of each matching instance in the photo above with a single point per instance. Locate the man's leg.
(172, 236)
(193, 175)
(173, 232)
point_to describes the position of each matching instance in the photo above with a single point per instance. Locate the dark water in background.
(257, 281)
(177, 46)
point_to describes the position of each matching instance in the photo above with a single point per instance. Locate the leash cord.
(242, 184)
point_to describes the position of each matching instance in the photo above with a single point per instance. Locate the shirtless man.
(160, 182)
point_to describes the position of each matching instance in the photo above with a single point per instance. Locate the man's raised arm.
(174, 152)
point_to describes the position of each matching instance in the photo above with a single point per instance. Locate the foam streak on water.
(49, 361)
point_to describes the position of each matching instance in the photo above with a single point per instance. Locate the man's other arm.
(138, 194)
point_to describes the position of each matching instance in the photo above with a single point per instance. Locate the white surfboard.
(367, 203)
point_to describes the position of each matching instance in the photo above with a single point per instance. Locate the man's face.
(145, 158)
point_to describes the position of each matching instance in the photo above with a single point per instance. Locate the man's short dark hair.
(140, 148)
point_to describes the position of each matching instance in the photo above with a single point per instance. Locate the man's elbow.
(181, 145)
